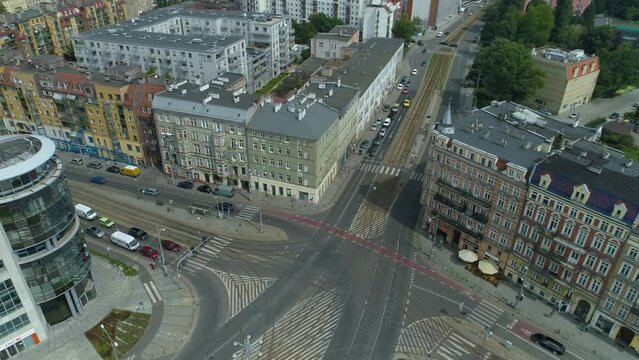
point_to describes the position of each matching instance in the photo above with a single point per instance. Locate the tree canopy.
(323, 23)
(563, 19)
(403, 29)
(507, 70)
(623, 9)
(306, 30)
(535, 25)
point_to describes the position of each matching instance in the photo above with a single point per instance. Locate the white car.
(414, 72)
(440, 34)
(400, 86)
(374, 127)
(382, 132)
(387, 122)
(378, 122)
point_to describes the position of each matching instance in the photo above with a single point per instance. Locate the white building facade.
(349, 11)
(378, 20)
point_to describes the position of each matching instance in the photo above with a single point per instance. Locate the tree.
(304, 32)
(618, 70)
(501, 20)
(508, 72)
(535, 25)
(69, 53)
(601, 39)
(403, 29)
(588, 16)
(563, 17)
(574, 36)
(3, 9)
(323, 23)
(150, 72)
(417, 23)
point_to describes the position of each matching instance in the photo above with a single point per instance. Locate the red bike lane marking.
(523, 328)
(388, 253)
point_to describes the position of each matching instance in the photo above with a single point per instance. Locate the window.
(631, 294)
(500, 202)
(529, 211)
(541, 215)
(523, 229)
(512, 207)
(263, 147)
(567, 230)
(603, 268)
(590, 261)
(595, 285)
(611, 249)
(552, 224)
(529, 251)
(518, 246)
(558, 206)
(633, 252)
(582, 279)
(623, 311)
(574, 257)
(553, 268)
(617, 286)
(625, 269)
(610, 303)
(597, 242)
(573, 213)
(588, 219)
(581, 236)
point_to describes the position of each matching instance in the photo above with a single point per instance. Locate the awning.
(467, 255)
(488, 267)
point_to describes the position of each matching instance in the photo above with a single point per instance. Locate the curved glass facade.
(55, 273)
(27, 180)
(35, 218)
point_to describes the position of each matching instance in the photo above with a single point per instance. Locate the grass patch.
(123, 326)
(621, 142)
(595, 123)
(127, 269)
(271, 85)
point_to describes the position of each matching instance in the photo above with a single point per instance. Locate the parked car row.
(128, 170)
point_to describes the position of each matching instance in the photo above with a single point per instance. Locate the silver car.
(150, 191)
(95, 232)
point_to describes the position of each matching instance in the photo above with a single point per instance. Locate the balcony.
(461, 227)
(464, 193)
(462, 208)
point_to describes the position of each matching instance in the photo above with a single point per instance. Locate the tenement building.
(476, 180)
(581, 209)
(45, 266)
(188, 43)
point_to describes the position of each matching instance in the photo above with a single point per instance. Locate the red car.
(170, 245)
(405, 90)
(149, 252)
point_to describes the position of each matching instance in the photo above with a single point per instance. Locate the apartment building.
(297, 148)
(333, 44)
(618, 313)
(13, 6)
(580, 210)
(196, 45)
(349, 11)
(432, 13)
(49, 30)
(570, 79)
(202, 132)
(475, 185)
(378, 19)
(102, 116)
(46, 266)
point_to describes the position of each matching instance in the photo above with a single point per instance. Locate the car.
(386, 108)
(364, 144)
(387, 122)
(614, 116)
(138, 233)
(106, 222)
(94, 165)
(372, 150)
(149, 252)
(186, 184)
(447, 32)
(545, 112)
(113, 169)
(453, 45)
(407, 103)
(414, 72)
(440, 34)
(205, 189)
(76, 161)
(378, 122)
(377, 140)
(424, 51)
(636, 104)
(373, 127)
(382, 132)
(400, 86)
(150, 191)
(408, 84)
(573, 115)
(404, 78)
(420, 43)
(95, 232)
(548, 343)
(98, 179)
(225, 206)
(423, 63)
(405, 91)
(445, 43)
(170, 245)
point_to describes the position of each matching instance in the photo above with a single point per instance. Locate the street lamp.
(246, 347)
(114, 344)
(158, 229)
(433, 222)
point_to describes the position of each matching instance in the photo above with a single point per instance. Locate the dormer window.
(544, 181)
(580, 193)
(619, 210)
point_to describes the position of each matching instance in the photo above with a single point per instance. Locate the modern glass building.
(45, 275)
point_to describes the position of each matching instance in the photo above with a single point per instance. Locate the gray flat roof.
(191, 102)
(20, 154)
(342, 97)
(364, 66)
(164, 41)
(319, 117)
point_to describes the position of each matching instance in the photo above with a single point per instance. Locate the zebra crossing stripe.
(491, 307)
(462, 339)
(446, 357)
(152, 292)
(454, 344)
(388, 168)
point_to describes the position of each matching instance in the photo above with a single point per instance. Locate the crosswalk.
(242, 290)
(417, 176)
(152, 291)
(485, 314)
(380, 169)
(304, 332)
(434, 338)
(369, 221)
(248, 212)
(205, 254)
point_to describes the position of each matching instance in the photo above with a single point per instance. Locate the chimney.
(339, 82)
(204, 87)
(301, 114)
(236, 99)
(277, 107)
(206, 100)
(215, 95)
(330, 92)
(183, 91)
(576, 123)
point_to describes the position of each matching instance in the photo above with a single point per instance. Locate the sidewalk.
(114, 290)
(598, 347)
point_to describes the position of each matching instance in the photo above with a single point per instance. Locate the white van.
(85, 212)
(124, 240)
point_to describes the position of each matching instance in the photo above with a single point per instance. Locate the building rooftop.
(608, 175)
(160, 40)
(20, 154)
(366, 63)
(556, 55)
(206, 101)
